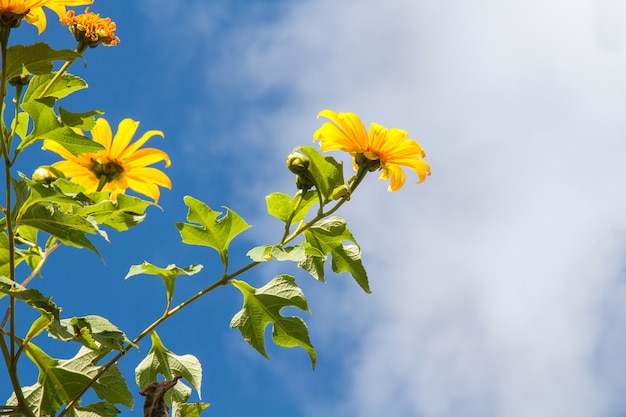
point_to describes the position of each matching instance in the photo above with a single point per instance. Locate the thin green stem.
(13, 376)
(299, 197)
(82, 46)
(224, 280)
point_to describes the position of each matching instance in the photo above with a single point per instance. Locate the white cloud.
(495, 280)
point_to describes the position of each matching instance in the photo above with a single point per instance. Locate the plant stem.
(82, 46)
(224, 280)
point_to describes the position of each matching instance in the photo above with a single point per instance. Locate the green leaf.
(55, 385)
(121, 215)
(329, 236)
(68, 228)
(30, 296)
(188, 409)
(64, 86)
(100, 409)
(22, 124)
(262, 306)
(210, 230)
(162, 361)
(59, 381)
(94, 332)
(47, 126)
(287, 209)
(35, 59)
(326, 171)
(296, 253)
(110, 386)
(167, 274)
(84, 121)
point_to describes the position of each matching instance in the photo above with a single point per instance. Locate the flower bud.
(304, 182)
(297, 163)
(19, 80)
(44, 174)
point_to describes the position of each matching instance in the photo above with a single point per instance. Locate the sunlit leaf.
(126, 212)
(95, 332)
(296, 253)
(262, 307)
(65, 85)
(326, 171)
(162, 361)
(288, 209)
(188, 409)
(84, 121)
(167, 274)
(68, 228)
(60, 381)
(329, 236)
(210, 230)
(100, 409)
(111, 386)
(47, 126)
(35, 59)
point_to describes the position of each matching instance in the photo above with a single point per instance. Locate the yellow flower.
(381, 148)
(120, 165)
(91, 29)
(32, 12)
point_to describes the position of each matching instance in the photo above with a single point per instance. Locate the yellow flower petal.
(121, 165)
(148, 156)
(125, 132)
(143, 139)
(391, 147)
(102, 133)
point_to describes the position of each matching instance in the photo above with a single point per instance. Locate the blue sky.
(498, 284)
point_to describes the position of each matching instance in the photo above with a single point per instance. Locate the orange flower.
(120, 165)
(32, 12)
(91, 28)
(381, 148)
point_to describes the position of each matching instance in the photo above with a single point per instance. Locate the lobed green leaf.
(188, 409)
(326, 171)
(296, 253)
(290, 210)
(328, 236)
(167, 274)
(162, 361)
(65, 85)
(210, 230)
(46, 125)
(262, 307)
(59, 381)
(35, 59)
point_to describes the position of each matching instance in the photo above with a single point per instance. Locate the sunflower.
(385, 149)
(120, 165)
(32, 12)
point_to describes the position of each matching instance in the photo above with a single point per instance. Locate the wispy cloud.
(496, 283)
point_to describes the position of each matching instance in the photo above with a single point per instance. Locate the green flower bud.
(19, 80)
(297, 163)
(303, 182)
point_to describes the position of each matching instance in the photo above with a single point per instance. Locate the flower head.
(91, 29)
(120, 165)
(380, 148)
(31, 10)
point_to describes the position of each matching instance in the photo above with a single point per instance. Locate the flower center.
(106, 171)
